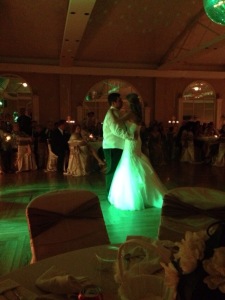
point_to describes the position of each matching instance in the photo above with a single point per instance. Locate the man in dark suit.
(25, 122)
(59, 145)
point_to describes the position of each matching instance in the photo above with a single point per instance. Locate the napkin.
(60, 282)
(7, 285)
(10, 289)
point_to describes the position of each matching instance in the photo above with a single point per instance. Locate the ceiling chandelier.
(215, 10)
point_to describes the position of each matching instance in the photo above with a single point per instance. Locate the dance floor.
(17, 190)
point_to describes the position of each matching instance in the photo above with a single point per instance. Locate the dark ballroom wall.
(59, 95)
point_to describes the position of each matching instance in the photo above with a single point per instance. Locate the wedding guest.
(24, 122)
(59, 145)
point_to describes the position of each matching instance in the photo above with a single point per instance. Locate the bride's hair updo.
(135, 105)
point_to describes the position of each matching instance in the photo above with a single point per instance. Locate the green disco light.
(215, 10)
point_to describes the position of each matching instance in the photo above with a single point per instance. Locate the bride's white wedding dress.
(135, 185)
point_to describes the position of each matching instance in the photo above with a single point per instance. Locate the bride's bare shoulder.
(134, 119)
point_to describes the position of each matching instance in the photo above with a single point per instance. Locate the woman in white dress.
(135, 185)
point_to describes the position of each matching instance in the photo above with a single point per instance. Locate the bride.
(135, 185)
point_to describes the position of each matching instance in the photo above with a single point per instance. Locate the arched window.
(15, 93)
(96, 99)
(199, 102)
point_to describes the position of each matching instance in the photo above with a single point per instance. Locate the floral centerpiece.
(197, 270)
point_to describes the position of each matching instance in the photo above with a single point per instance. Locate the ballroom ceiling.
(158, 38)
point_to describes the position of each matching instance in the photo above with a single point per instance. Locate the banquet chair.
(189, 209)
(188, 150)
(79, 159)
(51, 161)
(64, 220)
(219, 159)
(25, 156)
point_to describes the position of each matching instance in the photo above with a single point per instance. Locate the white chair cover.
(65, 220)
(220, 157)
(188, 150)
(79, 162)
(188, 153)
(52, 160)
(190, 209)
(25, 156)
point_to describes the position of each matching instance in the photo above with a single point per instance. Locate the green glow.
(135, 185)
(114, 87)
(87, 98)
(215, 10)
(17, 190)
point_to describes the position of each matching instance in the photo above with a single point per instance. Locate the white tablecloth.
(81, 262)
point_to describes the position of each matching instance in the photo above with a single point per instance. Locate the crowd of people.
(25, 144)
(69, 142)
(191, 142)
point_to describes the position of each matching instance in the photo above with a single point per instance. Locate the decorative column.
(65, 97)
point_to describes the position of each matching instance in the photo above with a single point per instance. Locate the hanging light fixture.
(215, 10)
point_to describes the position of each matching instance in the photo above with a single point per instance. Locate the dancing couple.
(131, 181)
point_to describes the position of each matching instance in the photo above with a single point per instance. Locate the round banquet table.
(82, 262)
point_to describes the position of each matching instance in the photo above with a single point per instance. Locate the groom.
(114, 135)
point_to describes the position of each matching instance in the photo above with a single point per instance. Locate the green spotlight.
(215, 10)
